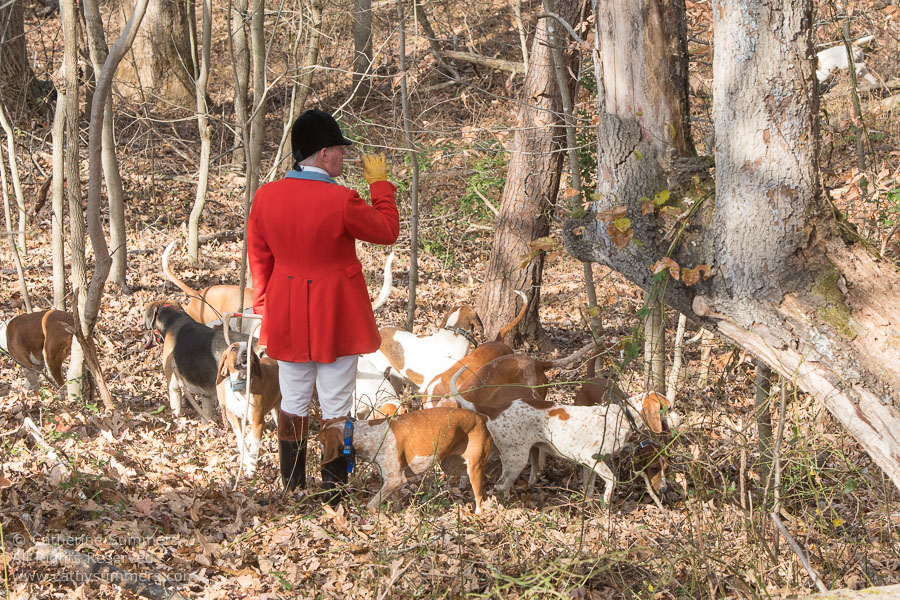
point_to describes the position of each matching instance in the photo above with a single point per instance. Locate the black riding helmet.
(314, 130)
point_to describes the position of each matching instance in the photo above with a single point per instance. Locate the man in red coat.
(308, 283)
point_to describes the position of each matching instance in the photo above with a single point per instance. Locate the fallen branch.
(229, 235)
(872, 593)
(92, 568)
(890, 85)
(799, 552)
(486, 61)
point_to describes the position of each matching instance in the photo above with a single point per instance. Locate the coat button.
(290, 277)
(309, 281)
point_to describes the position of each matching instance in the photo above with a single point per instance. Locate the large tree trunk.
(650, 84)
(18, 85)
(532, 184)
(159, 66)
(789, 282)
(645, 61)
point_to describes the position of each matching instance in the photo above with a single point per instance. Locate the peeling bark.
(790, 284)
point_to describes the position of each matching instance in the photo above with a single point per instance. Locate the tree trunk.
(531, 189)
(789, 283)
(559, 68)
(300, 90)
(99, 51)
(205, 137)
(159, 65)
(520, 27)
(16, 181)
(414, 184)
(764, 419)
(362, 49)
(255, 128)
(428, 30)
(87, 311)
(57, 229)
(677, 359)
(645, 62)
(18, 85)
(240, 60)
(77, 385)
(655, 345)
(11, 239)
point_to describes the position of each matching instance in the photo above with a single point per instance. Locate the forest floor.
(157, 495)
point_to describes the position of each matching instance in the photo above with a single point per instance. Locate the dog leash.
(348, 444)
(631, 421)
(465, 333)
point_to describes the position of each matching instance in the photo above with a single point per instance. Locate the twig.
(43, 445)
(888, 237)
(487, 202)
(89, 349)
(394, 576)
(552, 15)
(677, 358)
(653, 495)
(133, 582)
(799, 552)
(776, 454)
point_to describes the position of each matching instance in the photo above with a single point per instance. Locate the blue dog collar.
(348, 444)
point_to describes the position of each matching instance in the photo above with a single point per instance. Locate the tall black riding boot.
(293, 432)
(334, 477)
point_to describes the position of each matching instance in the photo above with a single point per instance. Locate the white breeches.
(334, 383)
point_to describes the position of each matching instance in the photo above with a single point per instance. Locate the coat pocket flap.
(353, 269)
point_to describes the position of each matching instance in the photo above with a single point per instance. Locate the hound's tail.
(454, 391)
(386, 286)
(171, 276)
(509, 326)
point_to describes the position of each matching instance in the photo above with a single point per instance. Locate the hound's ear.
(222, 372)
(478, 324)
(332, 444)
(150, 315)
(255, 371)
(650, 412)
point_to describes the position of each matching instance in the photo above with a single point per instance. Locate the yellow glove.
(374, 167)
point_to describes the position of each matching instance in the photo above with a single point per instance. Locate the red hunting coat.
(307, 280)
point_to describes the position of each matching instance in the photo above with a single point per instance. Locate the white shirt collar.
(315, 170)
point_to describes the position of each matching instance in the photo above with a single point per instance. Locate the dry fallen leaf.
(617, 212)
(666, 263)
